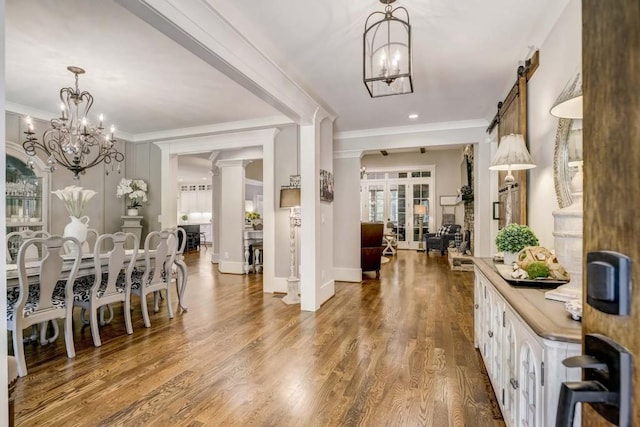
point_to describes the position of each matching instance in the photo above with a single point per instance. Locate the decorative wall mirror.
(567, 155)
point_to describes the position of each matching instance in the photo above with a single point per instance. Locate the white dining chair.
(156, 274)
(111, 285)
(49, 298)
(14, 240)
(179, 237)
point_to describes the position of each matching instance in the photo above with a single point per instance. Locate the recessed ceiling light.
(413, 116)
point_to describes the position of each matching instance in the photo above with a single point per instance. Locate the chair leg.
(156, 301)
(127, 316)
(68, 335)
(145, 313)
(169, 308)
(377, 274)
(18, 351)
(95, 330)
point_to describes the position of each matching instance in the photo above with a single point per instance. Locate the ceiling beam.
(199, 28)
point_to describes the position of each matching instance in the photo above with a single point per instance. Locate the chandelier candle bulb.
(101, 120)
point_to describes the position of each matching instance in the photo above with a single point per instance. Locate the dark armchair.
(440, 241)
(371, 246)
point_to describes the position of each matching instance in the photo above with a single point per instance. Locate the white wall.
(560, 59)
(346, 209)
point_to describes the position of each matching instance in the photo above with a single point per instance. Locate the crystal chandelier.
(387, 52)
(71, 141)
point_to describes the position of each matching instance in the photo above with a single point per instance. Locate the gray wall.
(143, 162)
(286, 163)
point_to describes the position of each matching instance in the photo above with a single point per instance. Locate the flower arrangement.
(134, 189)
(75, 199)
(252, 215)
(515, 237)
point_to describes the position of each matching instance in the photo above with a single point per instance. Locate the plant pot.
(510, 257)
(132, 212)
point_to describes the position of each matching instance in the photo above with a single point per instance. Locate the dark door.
(611, 67)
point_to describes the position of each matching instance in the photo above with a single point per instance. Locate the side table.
(132, 225)
(458, 261)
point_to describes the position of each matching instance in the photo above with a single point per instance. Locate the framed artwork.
(326, 186)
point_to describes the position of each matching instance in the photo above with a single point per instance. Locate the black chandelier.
(387, 52)
(70, 141)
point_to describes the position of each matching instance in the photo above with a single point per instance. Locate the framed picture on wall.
(326, 186)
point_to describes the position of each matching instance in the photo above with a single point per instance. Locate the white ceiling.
(465, 57)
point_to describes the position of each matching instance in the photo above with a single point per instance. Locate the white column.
(169, 202)
(309, 214)
(231, 216)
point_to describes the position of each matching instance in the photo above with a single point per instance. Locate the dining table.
(87, 268)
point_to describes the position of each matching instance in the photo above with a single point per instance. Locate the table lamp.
(512, 155)
(421, 211)
(290, 198)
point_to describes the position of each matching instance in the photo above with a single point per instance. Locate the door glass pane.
(376, 203)
(397, 210)
(420, 197)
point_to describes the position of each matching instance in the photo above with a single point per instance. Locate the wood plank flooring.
(393, 352)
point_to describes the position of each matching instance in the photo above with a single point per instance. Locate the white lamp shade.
(568, 105)
(289, 197)
(512, 154)
(420, 209)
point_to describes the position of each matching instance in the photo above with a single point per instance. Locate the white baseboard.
(326, 291)
(231, 267)
(347, 274)
(279, 284)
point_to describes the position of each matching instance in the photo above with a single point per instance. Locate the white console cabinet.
(523, 339)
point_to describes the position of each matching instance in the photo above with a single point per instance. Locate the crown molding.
(420, 128)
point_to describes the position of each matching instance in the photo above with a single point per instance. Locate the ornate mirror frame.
(562, 173)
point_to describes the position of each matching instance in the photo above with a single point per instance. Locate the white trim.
(231, 267)
(326, 291)
(427, 127)
(253, 182)
(348, 154)
(212, 129)
(279, 284)
(416, 168)
(215, 257)
(347, 274)
(225, 141)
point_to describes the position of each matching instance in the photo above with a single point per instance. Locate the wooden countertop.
(547, 318)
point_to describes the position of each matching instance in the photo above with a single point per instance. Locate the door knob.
(606, 386)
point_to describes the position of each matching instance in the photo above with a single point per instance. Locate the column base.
(293, 291)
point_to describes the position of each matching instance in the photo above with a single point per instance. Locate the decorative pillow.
(442, 230)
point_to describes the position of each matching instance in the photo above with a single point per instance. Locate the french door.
(392, 201)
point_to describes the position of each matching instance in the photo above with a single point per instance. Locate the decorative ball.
(533, 254)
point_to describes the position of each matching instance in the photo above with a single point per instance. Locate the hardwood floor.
(397, 352)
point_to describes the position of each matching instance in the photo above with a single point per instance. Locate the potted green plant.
(512, 239)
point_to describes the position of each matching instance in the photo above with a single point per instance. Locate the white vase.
(76, 228)
(132, 212)
(510, 257)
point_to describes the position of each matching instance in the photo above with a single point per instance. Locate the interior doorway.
(391, 198)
